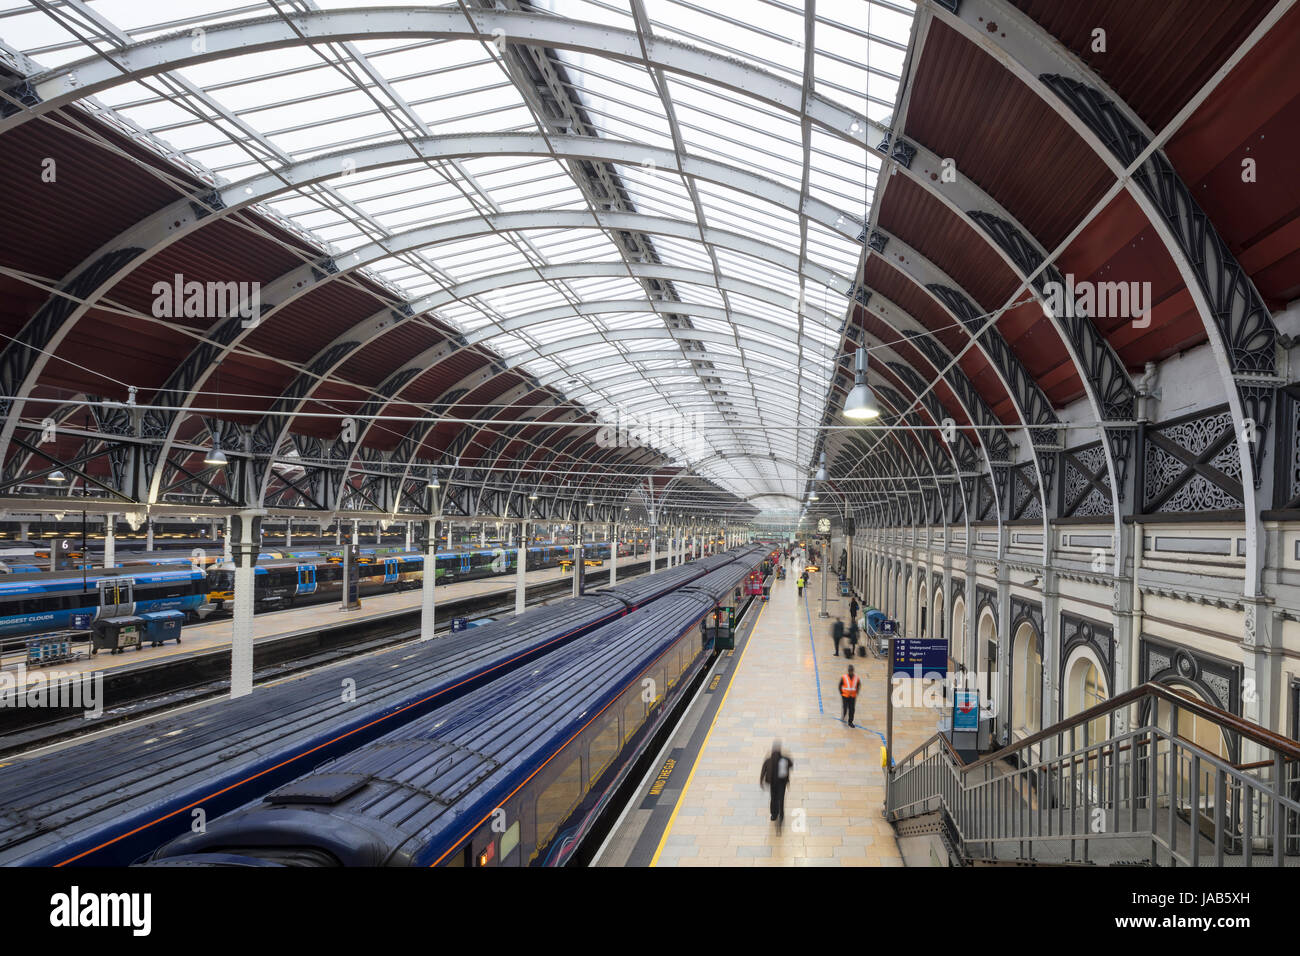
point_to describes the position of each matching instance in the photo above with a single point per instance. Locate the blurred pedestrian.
(837, 632)
(799, 583)
(775, 776)
(853, 608)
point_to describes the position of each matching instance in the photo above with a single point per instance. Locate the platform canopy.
(653, 208)
(624, 251)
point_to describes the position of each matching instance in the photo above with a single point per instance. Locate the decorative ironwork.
(903, 152)
(1094, 635)
(1101, 366)
(1085, 487)
(23, 351)
(987, 507)
(1217, 680)
(1192, 464)
(1024, 388)
(1025, 501)
(878, 240)
(996, 442)
(1031, 613)
(1287, 482)
(1244, 321)
(17, 98)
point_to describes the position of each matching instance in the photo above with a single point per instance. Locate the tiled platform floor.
(833, 805)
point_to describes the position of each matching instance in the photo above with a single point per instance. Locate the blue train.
(116, 799)
(301, 578)
(467, 784)
(46, 601)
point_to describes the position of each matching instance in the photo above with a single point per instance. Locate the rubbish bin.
(163, 626)
(117, 634)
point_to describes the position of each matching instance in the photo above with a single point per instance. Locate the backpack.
(782, 769)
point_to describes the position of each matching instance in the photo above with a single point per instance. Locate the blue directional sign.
(920, 657)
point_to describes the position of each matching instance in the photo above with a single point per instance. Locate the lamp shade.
(861, 404)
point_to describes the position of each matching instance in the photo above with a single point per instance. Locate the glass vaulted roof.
(665, 237)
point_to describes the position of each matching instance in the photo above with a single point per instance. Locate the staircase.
(1111, 786)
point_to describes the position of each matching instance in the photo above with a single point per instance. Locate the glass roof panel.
(574, 230)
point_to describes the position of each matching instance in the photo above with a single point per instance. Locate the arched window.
(922, 607)
(1027, 677)
(957, 643)
(988, 647)
(1085, 686)
(1206, 735)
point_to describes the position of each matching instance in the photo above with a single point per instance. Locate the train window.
(604, 748)
(687, 652)
(633, 712)
(509, 840)
(557, 801)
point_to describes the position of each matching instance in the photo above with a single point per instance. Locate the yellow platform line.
(654, 861)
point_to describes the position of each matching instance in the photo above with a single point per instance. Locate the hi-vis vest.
(849, 685)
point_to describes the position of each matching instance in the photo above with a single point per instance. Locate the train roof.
(36, 582)
(721, 582)
(430, 783)
(91, 788)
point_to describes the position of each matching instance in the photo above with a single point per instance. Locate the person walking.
(853, 637)
(837, 632)
(853, 609)
(799, 583)
(849, 685)
(775, 776)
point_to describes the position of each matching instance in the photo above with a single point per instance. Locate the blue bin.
(162, 626)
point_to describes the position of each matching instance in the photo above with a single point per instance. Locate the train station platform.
(216, 635)
(701, 805)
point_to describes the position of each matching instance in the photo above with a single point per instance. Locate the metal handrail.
(1150, 689)
(1142, 791)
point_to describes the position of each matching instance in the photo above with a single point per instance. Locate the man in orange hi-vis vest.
(849, 685)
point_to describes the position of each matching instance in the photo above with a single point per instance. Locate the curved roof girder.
(334, 355)
(397, 152)
(82, 91)
(108, 265)
(391, 390)
(1238, 325)
(1031, 405)
(976, 409)
(204, 359)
